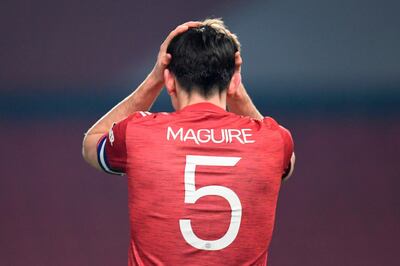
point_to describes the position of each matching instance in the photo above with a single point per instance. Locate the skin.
(235, 96)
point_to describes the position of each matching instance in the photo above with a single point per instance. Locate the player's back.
(203, 186)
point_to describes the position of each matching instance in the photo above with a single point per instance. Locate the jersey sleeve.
(288, 152)
(111, 147)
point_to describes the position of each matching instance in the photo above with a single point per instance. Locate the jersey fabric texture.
(203, 184)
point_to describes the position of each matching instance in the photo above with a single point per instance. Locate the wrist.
(155, 80)
(240, 97)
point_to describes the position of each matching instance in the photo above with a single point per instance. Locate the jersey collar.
(203, 107)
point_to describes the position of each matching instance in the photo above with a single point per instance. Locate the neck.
(217, 99)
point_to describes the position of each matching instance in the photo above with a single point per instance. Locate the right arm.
(290, 168)
(239, 102)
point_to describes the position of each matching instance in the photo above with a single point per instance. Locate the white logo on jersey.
(111, 135)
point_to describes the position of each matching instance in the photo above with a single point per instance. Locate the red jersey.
(203, 184)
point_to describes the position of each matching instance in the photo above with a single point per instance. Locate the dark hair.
(203, 60)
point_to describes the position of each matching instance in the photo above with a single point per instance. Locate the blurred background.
(327, 70)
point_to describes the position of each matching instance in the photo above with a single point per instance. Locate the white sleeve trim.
(102, 159)
(292, 162)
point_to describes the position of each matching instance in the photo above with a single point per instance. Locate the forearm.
(240, 103)
(140, 100)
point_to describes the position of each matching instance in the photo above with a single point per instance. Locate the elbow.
(89, 149)
(291, 168)
(85, 149)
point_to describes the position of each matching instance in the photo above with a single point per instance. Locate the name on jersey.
(204, 135)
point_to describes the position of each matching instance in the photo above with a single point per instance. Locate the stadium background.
(327, 70)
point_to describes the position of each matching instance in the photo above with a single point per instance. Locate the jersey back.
(203, 184)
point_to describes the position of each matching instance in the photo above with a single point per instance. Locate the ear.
(169, 81)
(234, 84)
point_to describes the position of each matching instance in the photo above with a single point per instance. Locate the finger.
(178, 30)
(238, 59)
(166, 59)
(237, 55)
(238, 62)
(192, 24)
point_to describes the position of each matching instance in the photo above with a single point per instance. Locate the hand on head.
(238, 62)
(163, 57)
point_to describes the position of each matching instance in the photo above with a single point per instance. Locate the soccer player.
(203, 182)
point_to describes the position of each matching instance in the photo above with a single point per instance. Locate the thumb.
(166, 59)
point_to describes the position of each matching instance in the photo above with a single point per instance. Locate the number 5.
(192, 195)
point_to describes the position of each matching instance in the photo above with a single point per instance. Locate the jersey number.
(192, 195)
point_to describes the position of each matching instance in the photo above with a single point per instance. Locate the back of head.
(203, 58)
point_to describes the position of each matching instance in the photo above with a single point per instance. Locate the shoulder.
(141, 116)
(270, 123)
